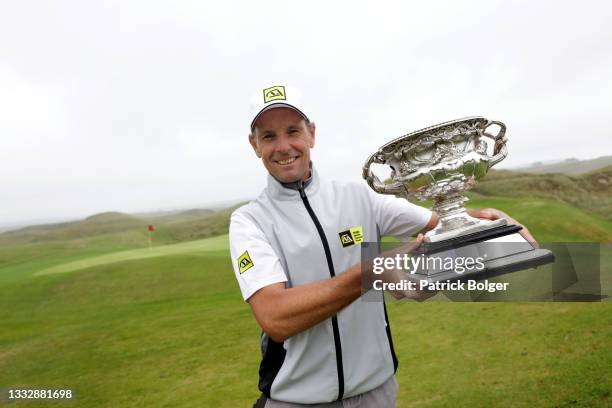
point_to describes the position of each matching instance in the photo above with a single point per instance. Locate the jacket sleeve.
(397, 216)
(255, 262)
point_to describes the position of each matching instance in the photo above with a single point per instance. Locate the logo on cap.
(274, 93)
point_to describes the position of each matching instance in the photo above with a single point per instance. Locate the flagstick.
(150, 244)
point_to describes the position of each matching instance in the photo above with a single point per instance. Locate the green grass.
(173, 331)
(127, 326)
(202, 245)
(591, 191)
(551, 220)
(149, 332)
(503, 354)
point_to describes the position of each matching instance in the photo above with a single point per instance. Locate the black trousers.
(261, 402)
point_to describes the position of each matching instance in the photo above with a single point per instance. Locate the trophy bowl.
(439, 163)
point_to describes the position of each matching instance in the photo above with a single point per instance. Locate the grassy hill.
(95, 225)
(129, 229)
(551, 220)
(591, 191)
(568, 166)
(211, 225)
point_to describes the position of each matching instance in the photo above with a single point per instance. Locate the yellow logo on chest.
(352, 236)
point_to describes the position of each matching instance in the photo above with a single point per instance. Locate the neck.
(294, 185)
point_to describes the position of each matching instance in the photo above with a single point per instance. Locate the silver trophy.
(439, 163)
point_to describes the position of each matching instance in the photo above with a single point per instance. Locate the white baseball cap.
(278, 96)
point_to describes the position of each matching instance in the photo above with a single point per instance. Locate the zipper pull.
(301, 189)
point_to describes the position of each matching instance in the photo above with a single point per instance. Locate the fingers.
(527, 235)
(411, 246)
(416, 243)
(487, 214)
(479, 213)
(491, 214)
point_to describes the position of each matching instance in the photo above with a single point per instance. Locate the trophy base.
(430, 246)
(502, 250)
(475, 227)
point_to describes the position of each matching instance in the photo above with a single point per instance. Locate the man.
(296, 255)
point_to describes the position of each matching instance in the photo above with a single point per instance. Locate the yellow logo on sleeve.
(352, 236)
(244, 262)
(274, 93)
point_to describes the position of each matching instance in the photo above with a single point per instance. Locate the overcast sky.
(143, 105)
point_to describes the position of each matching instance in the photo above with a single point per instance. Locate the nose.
(282, 144)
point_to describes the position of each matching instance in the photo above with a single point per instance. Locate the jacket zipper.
(330, 265)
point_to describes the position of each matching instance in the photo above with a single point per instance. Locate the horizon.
(214, 206)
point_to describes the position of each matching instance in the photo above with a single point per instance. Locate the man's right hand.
(395, 275)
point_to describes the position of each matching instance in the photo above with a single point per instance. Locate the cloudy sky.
(143, 105)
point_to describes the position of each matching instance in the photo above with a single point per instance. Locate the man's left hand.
(494, 214)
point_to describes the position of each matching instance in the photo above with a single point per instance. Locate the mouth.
(287, 161)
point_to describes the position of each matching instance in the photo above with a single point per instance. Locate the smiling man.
(300, 273)
(283, 142)
(296, 255)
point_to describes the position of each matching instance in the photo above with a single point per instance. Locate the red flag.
(151, 228)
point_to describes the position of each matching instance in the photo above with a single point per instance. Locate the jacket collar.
(290, 191)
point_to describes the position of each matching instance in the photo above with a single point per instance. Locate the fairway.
(203, 245)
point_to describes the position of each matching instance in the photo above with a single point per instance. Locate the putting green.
(218, 243)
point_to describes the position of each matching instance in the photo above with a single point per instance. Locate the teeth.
(286, 161)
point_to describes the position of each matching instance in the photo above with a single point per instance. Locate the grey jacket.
(304, 234)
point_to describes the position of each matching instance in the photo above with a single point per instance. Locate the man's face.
(283, 141)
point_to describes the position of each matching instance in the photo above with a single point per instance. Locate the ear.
(312, 128)
(253, 143)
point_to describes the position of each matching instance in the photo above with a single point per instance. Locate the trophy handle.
(500, 151)
(374, 182)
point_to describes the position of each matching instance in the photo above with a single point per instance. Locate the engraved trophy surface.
(439, 163)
